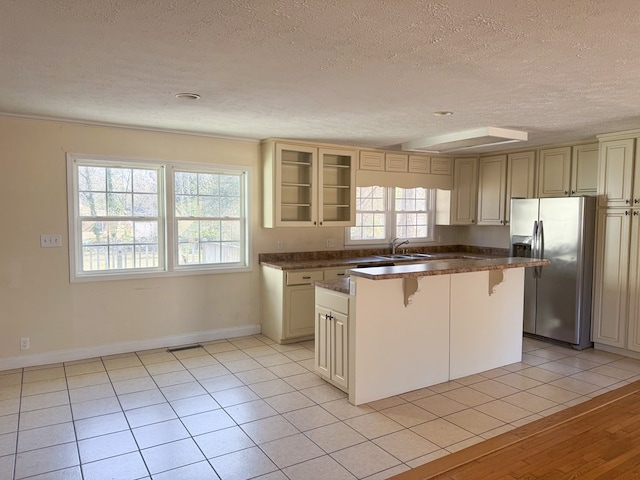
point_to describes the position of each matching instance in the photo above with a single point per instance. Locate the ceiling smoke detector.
(466, 140)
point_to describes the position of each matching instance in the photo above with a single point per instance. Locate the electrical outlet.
(24, 343)
(50, 240)
(329, 242)
(279, 245)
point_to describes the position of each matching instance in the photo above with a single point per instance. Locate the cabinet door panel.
(615, 168)
(634, 284)
(521, 174)
(299, 304)
(322, 342)
(554, 171)
(491, 190)
(584, 170)
(464, 191)
(611, 269)
(371, 161)
(339, 349)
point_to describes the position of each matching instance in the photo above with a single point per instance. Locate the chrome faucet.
(394, 246)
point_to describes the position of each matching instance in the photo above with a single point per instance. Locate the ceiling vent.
(467, 140)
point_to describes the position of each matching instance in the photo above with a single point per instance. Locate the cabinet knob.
(627, 201)
(626, 212)
(566, 192)
(635, 213)
(573, 192)
(636, 201)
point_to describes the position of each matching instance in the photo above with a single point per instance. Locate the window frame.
(167, 223)
(390, 223)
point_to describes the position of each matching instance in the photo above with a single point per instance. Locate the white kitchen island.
(413, 326)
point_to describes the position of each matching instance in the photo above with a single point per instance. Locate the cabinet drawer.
(335, 274)
(372, 161)
(333, 301)
(304, 277)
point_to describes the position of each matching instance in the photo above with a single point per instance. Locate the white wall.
(63, 319)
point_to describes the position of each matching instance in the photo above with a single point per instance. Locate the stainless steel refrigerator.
(557, 300)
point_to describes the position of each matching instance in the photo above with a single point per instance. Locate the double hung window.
(385, 213)
(131, 217)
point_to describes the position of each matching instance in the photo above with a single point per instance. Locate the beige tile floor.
(249, 408)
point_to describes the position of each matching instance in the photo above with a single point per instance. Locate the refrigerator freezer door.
(560, 283)
(524, 217)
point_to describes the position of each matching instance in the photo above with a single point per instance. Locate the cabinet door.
(584, 170)
(554, 172)
(464, 195)
(371, 161)
(339, 349)
(396, 162)
(322, 342)
(521, 173)
(492, 177)
(335, 273)
(611, 277)
(336, 191)
(634, 284)
(295, 185)
(299, 307)
(419, 164)
(615, 169)
(441, 166)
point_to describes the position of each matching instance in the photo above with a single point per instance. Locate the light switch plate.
(50, 240)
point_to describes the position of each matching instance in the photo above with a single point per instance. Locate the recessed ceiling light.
(190, 96)
(442, 113)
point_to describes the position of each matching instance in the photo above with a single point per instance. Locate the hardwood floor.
(596, 439)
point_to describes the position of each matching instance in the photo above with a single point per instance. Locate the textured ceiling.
(363, 72)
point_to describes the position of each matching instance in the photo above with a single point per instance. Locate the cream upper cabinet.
(554, 172)
(371, 161)
(458, 206)
(492, 181)
(615, 174)
(307, 186)
(441, 166)
(521, 177)
(419, 164)
(611, 291)
(584, 170)
(336, 187)
(396, 162)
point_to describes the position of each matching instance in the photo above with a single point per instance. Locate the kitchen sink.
(405, 256)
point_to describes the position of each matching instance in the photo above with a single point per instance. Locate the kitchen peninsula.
(385, 330)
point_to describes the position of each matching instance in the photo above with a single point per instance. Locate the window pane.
(210, 206)
(92, 204)
(186, 206)
(145, 181)
(208, 184)
(186, 183)
(119, 180)
(370, 216)
(119, 205)
(145, 205)
(92, 179)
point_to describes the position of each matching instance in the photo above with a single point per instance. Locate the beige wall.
(36, 298)
(64, 320)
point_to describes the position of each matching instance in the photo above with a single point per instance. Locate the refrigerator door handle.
(534, 246)
(540, 246)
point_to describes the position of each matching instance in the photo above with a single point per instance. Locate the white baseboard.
(69, 355)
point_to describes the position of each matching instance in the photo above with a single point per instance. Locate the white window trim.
(390, 222)
(167, 239)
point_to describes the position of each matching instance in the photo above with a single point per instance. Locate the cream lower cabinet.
(332, 337)
(288, 302)
(616, 279)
